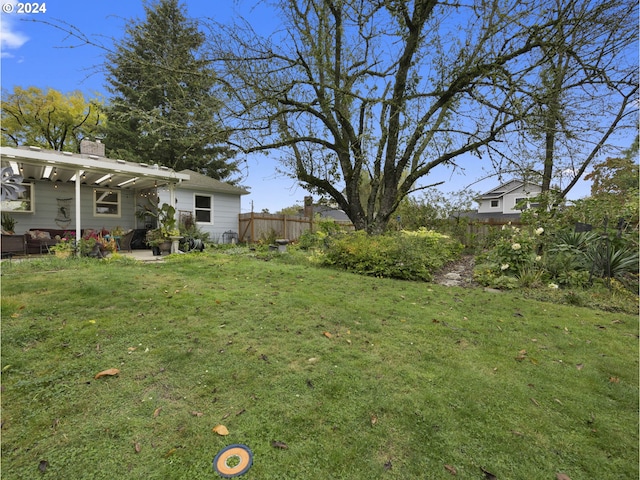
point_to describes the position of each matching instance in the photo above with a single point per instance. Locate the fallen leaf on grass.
(562, 476)
(156, 412)
(281, 445)
(108, 372)
(220, 430)
(580, 366)
(388, 465)
(197, 414)
(137, 447)
(374, 419)
(533, 400)
(451, 469)
(170, 452)
(522, 354)
(327, 334)
(614, 379)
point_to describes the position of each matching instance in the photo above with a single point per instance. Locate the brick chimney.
(308, 207)
(88, 147)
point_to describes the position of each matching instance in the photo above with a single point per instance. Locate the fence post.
(253, 239)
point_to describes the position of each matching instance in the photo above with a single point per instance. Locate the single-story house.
(212, 204)
(73, 192)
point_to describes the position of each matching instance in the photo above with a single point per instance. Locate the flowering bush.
(66, 244)
(87, 244)
(515, 254)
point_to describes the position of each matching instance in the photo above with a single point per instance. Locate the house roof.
(34, 163)
(505, 188)
(198, 181)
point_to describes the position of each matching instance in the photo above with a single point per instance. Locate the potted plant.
(65, 247)
(165, 216)
(154, 239)
(8, 223)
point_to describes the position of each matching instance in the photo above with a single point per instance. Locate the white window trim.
(118, 203)
(195, 209)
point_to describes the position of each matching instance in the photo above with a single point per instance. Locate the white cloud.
(10, 38)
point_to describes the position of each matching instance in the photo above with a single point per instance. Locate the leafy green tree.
(49, 119)
(617, 177)
(164, 105)
(433, 209)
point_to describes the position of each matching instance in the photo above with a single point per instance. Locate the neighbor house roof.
(198, 181)
(504, 189)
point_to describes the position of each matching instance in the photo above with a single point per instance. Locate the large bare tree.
(379, 91)
(584, 91)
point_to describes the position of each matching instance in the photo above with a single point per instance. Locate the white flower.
(553, 285)
(516, 246)
(504, 266)
(538, 258)
(539, 231)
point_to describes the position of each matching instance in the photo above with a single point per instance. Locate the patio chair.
(125, 241)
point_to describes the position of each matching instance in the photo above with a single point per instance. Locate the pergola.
(34, 163)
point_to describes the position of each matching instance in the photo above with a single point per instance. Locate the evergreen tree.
(164, 105)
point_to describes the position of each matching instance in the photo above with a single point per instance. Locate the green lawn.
(361, 378)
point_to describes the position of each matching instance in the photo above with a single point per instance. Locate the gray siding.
(46, 209)
(226, 208)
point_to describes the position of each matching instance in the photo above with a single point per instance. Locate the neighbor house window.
(521, 203)
(106, 203)
(204, 208)
(24, 202)
(494, 203)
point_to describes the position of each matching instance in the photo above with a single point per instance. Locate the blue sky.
(36, 54)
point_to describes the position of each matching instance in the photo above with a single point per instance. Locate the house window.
(204, 208)
(494, 203)
(106, 203)
(24, 202)
(521, 204)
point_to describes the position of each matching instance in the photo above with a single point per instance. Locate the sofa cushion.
(39, 235)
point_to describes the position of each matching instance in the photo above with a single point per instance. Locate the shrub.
(513, 260)
(404, 255)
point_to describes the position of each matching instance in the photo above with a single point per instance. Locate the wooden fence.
(266, 227)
